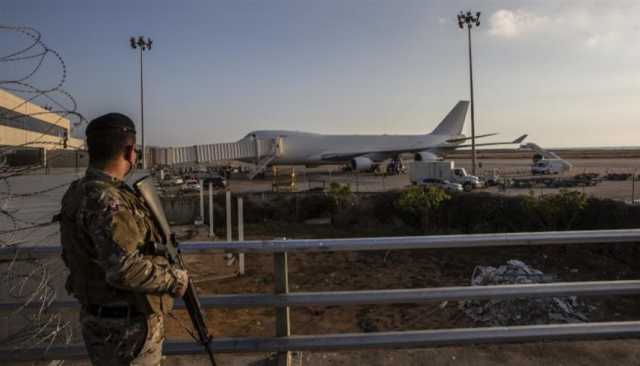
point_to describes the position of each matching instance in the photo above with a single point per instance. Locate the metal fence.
(282, 299)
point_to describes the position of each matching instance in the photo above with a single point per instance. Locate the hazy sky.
(565, 72)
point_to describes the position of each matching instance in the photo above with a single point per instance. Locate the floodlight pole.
(144, 157)
(473, 122)
(143, 45)
(469, 20)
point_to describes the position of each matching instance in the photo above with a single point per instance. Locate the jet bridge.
(259, 151)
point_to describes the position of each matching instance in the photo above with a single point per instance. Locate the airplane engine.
(361, 163)
(425, 156)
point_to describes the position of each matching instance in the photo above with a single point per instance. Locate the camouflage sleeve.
(116, 235)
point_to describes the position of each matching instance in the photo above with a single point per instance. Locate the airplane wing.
(329, 156)
(516, 141)
(469, 138)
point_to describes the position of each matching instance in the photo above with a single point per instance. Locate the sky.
(565, 72)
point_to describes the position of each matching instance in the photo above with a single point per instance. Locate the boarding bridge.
(261, 151)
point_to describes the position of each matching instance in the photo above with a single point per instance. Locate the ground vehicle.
(443, 184)
(172, 181)
(491, 179)
(548, 166)
(216, 180)
(546, 162)
(443, 170)
(191, 185)
(570, 182)
(618, 176)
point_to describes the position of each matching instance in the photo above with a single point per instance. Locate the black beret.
(111, 122)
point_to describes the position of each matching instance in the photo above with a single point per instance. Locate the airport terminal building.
(29, 132)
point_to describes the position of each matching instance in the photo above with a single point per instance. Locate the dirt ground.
(415, 269)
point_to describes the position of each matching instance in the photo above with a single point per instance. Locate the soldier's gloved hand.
(182, 281)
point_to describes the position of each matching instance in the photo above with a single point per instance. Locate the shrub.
(485, 212)
(341, 196)
(313, 206)
(561, 211)
(418, 210)
(383, 207)
(417, 205)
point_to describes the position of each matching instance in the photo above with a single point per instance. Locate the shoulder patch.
(101, 197)
(110, 200)
(113, 206)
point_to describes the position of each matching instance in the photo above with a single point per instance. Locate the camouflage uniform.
(106, 234)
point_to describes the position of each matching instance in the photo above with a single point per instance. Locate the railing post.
(281, 286)
(229, 223)
(201, 201)
(240, 234)
(211, 219)
(229, 256)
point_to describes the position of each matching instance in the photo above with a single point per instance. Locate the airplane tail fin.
(453, 123)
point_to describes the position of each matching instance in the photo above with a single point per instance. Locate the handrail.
(384, 243)
(379, 297)
(422, 242)
(397, 339)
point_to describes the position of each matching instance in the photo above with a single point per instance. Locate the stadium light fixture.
(470, 21)
(143, 45)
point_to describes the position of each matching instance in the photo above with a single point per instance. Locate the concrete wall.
(181, 210)
(67, 159)
(185, 210)
(55, 158)
(24, 157)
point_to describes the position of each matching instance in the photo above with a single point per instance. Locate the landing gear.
(395, 167)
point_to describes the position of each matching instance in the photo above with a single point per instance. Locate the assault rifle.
(169, 248)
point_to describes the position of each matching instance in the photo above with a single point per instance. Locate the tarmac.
(34, 199)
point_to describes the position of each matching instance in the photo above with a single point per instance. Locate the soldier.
(107, 234)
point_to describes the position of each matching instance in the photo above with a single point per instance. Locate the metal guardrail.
(380, 297)
(282, 300)
(345, 341)
(380, 243)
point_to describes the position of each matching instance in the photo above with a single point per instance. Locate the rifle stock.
(147, 191)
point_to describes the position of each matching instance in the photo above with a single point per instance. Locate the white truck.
(444, 170)
(549, 166)
(546, 162)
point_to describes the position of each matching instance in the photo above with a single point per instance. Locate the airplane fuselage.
(304, 148)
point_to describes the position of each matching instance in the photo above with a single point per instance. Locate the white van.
(549, 166)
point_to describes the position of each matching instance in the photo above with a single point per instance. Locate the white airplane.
(364, 152)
